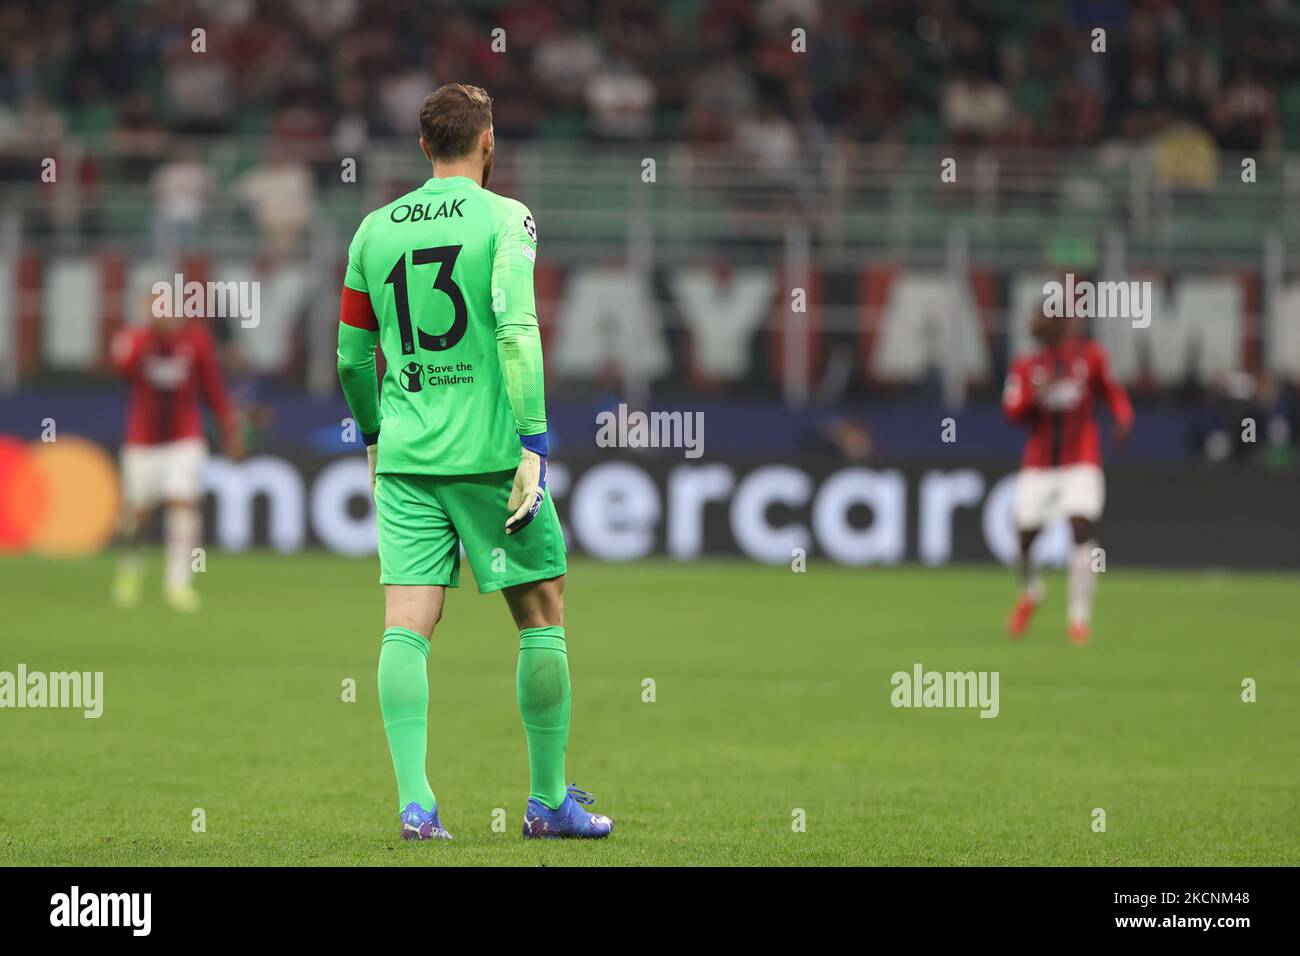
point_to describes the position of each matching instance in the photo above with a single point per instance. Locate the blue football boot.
(421, 824)
(568, 820)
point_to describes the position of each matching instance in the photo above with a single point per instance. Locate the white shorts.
(1076, 491)
(172, 471)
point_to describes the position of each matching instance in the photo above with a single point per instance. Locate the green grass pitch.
(772, 693)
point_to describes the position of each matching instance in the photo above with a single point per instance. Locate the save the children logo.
(412, 376)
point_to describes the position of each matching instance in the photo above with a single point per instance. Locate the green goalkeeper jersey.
(448, 269)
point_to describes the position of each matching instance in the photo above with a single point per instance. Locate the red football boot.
(1080, 633)
(1020, 617)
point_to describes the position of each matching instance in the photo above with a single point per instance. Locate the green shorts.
(424, 520)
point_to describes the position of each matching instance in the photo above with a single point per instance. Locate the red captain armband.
(357, 312)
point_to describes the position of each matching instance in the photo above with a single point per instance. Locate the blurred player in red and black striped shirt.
(170, 363)
(1054, 391)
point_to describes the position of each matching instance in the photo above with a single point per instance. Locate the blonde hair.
(453, 117)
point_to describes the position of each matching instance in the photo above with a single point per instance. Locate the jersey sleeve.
(1110, 389)
(127, 350)
(1018, 394)
(358, 336)
(355, 278)
(519, 341)
(211, 381)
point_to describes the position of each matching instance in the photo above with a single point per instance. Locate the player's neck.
(470, 170)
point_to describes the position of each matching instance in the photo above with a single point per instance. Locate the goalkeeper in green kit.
(442, 280)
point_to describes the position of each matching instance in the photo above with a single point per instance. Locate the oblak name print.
(922, 688)
(417, 212)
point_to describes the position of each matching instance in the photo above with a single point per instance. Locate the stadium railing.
(837, 207)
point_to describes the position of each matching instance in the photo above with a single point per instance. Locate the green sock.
(404, 702)
(542, 685)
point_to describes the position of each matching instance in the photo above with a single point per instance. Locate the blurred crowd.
(338, 72)
(762, 83)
